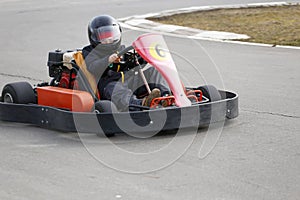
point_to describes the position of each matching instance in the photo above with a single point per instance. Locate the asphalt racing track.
(255, 156)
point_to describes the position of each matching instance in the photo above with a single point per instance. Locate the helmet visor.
(108, 34)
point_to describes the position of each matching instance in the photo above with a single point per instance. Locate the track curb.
(140, 23)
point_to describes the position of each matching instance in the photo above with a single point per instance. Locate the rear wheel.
(211, 92)
(19, 92)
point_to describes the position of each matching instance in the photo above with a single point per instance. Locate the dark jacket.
(96, 60)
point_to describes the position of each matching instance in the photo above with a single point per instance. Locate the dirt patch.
(279, 25)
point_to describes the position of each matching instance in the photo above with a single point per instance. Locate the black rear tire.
(19, 93)
(211, 92)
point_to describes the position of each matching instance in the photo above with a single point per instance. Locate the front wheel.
(19, 93)
(105, 106)
(211, 92)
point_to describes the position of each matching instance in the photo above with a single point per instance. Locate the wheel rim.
(97, 111)
(8, 98)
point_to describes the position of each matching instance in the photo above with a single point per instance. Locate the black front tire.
(19, 93)
(211, 92)
(105, 106)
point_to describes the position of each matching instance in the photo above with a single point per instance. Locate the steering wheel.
(122, 52)
(134, 57)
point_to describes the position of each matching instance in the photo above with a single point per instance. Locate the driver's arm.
(96, 65)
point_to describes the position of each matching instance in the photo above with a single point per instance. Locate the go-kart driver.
(104, 34)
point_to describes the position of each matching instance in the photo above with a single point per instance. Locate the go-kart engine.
(55, 62)
(59, 70)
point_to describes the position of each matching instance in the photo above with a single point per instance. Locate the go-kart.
(70, 102)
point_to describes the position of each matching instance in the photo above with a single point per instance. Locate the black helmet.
(104, 30)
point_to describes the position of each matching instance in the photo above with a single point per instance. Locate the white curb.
(140, 23)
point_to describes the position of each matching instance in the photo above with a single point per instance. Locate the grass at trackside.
(278, 25)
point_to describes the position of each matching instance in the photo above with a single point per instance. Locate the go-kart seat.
(78, 57)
